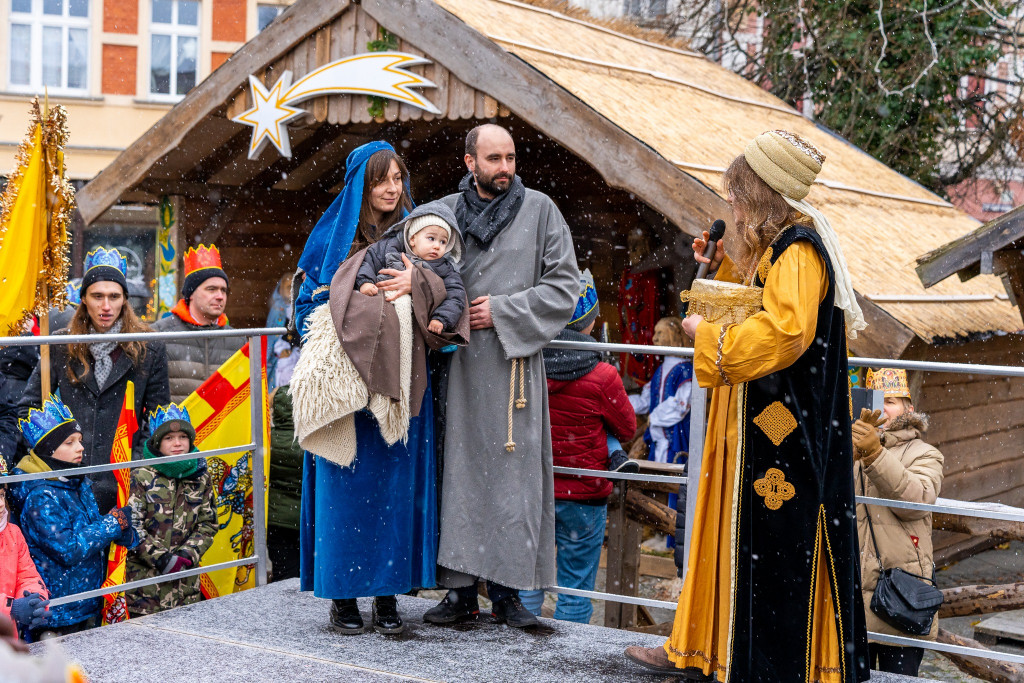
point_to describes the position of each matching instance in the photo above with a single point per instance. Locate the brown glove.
(866, 443)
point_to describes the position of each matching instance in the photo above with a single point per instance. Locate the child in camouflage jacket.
(175, 510)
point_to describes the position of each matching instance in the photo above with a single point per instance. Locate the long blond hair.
(765, 212)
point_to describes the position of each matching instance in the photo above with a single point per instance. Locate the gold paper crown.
(202, 257)
(889, 380)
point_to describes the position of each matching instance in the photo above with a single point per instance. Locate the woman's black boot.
(385, 615)
(345, 617)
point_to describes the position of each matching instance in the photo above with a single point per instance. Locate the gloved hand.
(866, 442)
(30, 612)
(123, 515)
(175, 563)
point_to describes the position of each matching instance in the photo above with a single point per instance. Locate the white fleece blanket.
(327, 390)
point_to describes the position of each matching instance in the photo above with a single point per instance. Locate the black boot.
(345, 617)
(459, 605)
(385, 615)
(511, 611)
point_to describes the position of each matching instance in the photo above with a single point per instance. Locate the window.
(266, 14)
(646, 9)
(174, 47)
(49, 45)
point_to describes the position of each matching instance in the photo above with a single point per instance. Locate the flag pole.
(44, 319)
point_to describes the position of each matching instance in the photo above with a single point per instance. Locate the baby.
(426, 235)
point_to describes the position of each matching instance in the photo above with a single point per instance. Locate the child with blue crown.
(67, 536)
(175, 512)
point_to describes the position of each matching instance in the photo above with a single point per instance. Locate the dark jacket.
(17, 364)
(67, 537)
(285, 464)
(9, 433)
(98, 411)
(191, 362)
(448, 311)
(583, 412)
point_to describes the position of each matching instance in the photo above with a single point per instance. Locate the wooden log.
(968, 600)
(985, 669)
(650, 512)
(657, 487)
(977, 526)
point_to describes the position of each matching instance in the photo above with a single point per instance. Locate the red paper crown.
(202, 257)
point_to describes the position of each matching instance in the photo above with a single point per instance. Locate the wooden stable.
(628, 134)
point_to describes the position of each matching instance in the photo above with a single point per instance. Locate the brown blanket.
(368, 330)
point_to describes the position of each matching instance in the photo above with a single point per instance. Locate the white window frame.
(175, 31)
(280, 9)
(37, 20)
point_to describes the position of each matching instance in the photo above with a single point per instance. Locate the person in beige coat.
(892, 460)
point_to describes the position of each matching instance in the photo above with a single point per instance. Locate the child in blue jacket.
(68, 538)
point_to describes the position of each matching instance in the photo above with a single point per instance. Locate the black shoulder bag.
(903, 600)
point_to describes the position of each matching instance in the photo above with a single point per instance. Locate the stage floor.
(277, 633)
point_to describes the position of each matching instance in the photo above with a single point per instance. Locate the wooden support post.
(623, 570)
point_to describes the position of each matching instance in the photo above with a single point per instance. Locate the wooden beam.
(885, 336)
(962, 601)
(133, 164)
(966, 251)
(214, 131)
(621, 159)
(985, 669)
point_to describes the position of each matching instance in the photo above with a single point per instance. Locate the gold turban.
(785, 161)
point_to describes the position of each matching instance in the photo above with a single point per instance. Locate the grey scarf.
(101, 351)
(484, 219)
(570, 364)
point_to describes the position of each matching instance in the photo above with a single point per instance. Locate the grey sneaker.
(618, 461)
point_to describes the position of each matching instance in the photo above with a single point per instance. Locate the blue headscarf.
(332, 236)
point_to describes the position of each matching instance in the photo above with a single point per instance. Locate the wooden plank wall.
(977, 421)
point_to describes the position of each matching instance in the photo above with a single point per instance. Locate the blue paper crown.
(106, 257)
(588, 296)
(74, 294)
(39, 423)
(168, 413)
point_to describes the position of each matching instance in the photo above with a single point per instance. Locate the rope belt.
(518, 365)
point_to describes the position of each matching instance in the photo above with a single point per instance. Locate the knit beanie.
(104, 265)
(787, 162)
(201, 263)
(165, 428)
(414, 225)
(587, 306)
(46, 446)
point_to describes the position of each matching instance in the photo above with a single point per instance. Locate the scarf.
(173, 470)
(3, 519)
(569, 364)
(482, 218)
(181, 310)
(846, 299)
(101, 354)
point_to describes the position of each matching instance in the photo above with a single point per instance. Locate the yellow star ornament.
(269, 116)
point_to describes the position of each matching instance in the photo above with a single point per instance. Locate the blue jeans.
(579, 534)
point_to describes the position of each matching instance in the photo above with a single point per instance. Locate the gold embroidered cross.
(774, 488)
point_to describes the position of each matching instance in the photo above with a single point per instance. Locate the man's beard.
(489, 186)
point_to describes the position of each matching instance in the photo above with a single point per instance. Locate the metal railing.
(255, 446)
(698, 402)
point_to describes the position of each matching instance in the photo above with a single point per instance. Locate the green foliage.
(386, 42)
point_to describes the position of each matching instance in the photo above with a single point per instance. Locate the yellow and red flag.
(221, 414)
(114, 603)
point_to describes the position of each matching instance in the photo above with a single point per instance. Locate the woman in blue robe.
(369, 529)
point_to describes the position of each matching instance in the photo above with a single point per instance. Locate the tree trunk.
(967, 600)
(985, 669)
(977, 526)
(650, 512)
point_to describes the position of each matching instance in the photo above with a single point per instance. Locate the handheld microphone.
(717, 232)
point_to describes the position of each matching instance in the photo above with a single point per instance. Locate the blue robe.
(679, 435)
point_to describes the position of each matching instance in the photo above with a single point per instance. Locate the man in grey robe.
(497, 498)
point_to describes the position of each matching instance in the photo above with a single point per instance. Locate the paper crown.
(169, 413)
(891, 381)
(74, 294)
(588, 297)
(202, 257)
(110, 258)
(39, 423)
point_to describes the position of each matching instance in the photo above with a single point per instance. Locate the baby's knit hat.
(414, 225)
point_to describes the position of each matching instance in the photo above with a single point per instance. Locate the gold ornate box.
(726, 303)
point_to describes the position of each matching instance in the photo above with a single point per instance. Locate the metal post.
(259, 514)
(698, 425)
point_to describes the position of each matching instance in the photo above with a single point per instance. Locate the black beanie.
(103, 274)
(198, 277)
(45, 447)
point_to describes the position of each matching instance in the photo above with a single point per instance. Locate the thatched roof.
(656, 120)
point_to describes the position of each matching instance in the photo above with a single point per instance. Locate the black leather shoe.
(454, 608)
(511, 611)
(345, 617)
(618, 461)
(385, 615)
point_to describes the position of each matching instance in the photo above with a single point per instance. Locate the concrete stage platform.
(279, 634)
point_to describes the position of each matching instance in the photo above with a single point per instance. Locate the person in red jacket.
(588, 409)
(23, 597)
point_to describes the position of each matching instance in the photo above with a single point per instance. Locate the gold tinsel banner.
(35, 209)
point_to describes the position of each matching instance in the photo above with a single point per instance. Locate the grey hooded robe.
(498, 507)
